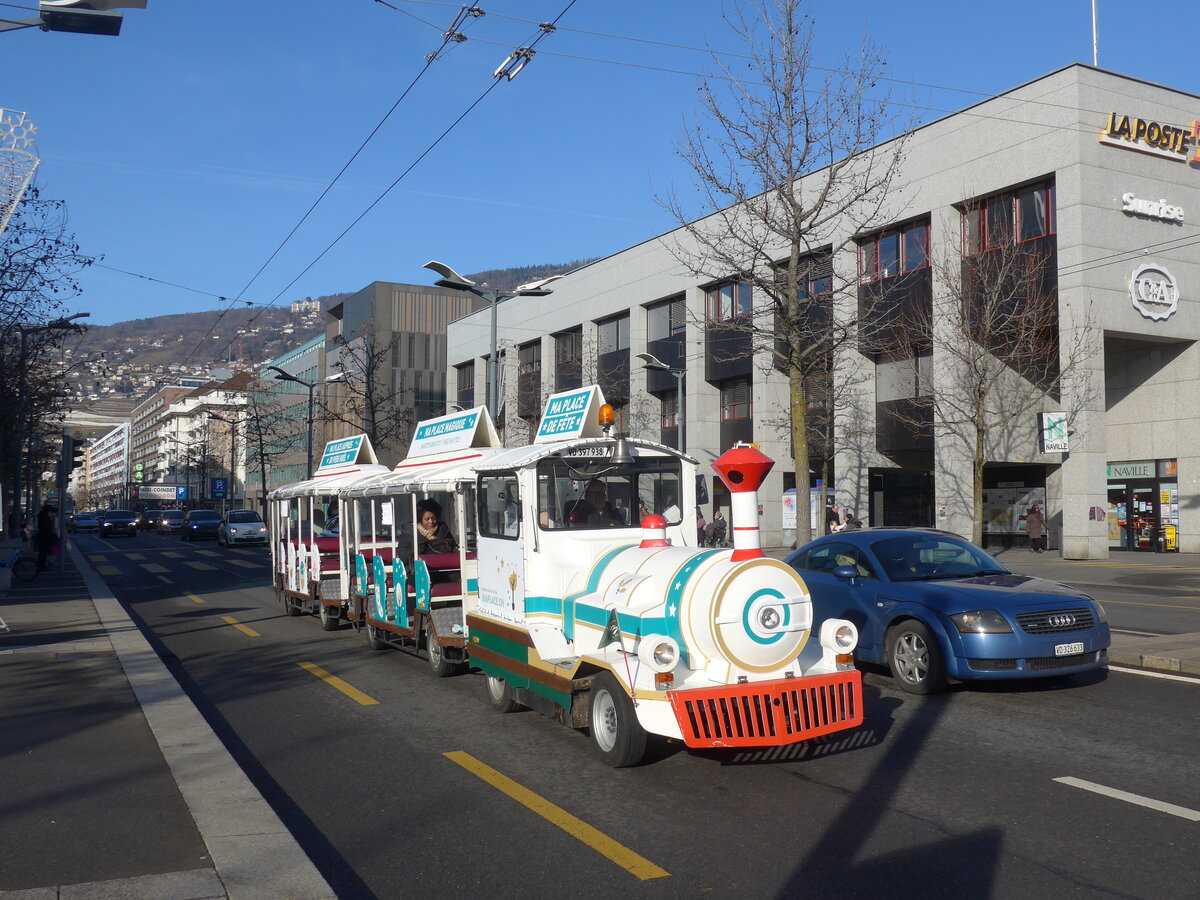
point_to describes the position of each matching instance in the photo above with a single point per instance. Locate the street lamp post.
(451, 279)
(64, 324)
(653, 362)
(281, 375)
(232, 423)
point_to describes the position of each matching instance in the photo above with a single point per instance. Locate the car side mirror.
(848, 573)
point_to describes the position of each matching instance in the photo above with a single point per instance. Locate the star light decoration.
(16, 131)
(18, 160)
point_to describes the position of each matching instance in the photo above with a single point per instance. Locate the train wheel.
(331, 617)
(619, 737)
(373, 640)
(501, 695)
(441, 666)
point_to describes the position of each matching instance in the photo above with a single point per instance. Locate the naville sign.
(1054, 432)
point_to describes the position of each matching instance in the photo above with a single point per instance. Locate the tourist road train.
(573, 581)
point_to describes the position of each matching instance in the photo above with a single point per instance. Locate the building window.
(529, 360)
(727, 302)
(735, 399)
(613, 334)
(888, 254)
(666, 319)
(1012, 217)
(670, 410)
(465, 385)
(816, 276)
(568, 348)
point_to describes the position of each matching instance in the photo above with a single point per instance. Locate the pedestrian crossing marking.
(136, 557)
(97, 558)
(203, 567)
(207, 553)
(244, 564)
(171, 554)
(108, 570)
(155, 567)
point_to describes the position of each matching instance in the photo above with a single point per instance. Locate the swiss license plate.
(1068, 649)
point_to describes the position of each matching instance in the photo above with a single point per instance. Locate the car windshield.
(173, 514)
(203, 515)
(244, 515)
(925, 557)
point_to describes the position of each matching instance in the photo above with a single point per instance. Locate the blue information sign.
(219, 489)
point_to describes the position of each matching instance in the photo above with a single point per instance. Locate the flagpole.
(1095, 38)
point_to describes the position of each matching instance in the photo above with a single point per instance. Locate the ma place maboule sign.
(1154, 292)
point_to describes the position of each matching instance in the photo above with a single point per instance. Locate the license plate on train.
(1068, 649)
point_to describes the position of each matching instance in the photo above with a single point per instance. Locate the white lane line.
(1182, 811)
(1150, 674)
(1138, 633)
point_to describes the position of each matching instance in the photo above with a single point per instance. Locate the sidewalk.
(111, 782)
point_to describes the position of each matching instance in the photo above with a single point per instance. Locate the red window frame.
(869, 253)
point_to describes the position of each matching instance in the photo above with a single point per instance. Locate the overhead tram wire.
(450, 35)
(518, 59)
(708, 51)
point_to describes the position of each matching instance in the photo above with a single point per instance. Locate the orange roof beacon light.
(607, 416)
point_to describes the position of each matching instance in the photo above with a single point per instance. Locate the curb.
(255, 855)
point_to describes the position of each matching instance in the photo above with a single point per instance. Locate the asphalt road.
(954, 795)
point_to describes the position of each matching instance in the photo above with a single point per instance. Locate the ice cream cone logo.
(512, 588)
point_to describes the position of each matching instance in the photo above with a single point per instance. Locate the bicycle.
(24, 568)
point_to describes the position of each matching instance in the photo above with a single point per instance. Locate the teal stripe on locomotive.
(590, 588)
(675, 594)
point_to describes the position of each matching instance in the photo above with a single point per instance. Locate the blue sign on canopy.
(343, 452)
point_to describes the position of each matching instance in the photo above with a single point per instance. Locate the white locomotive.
(578, 589)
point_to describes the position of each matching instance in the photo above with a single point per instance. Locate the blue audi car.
(932, 606)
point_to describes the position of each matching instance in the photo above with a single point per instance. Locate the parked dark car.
(115, 522)
(242, 526)
(932, 606)
(170, 521)
(201, 523)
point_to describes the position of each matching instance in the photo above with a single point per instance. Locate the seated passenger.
(433, 535)
(593, 510)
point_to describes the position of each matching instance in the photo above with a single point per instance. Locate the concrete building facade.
(1097, 173)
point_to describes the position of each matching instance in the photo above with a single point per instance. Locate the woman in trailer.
(433, 535)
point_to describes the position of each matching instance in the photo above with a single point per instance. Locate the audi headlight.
(981, 621)
(1101, 615)
(659, 652)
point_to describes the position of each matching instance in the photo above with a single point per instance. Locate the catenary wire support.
(516, 61)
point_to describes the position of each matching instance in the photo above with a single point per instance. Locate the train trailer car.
(596, 607)
(309, 565)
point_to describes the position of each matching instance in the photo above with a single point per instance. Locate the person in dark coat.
(433, 535)
(47, 537)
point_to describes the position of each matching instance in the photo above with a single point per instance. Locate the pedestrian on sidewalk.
(47, 538)
(1035, 527)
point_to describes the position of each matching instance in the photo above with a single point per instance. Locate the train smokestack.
(743, 469)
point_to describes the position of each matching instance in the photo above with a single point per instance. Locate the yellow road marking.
(207, 553)
(333, 681)
(244, 564)
(203, 567)
(244, 629)
(155, 567)
(97, 558)
(108, 570)
(137, 557)
(193, 598)
(171, 554)
(556, 815)
(1159, 605)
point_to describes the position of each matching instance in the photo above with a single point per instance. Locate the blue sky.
(188, 147)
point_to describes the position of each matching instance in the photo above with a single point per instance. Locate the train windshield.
(586, 493)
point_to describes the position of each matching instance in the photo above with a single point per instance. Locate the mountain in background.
(115, 366)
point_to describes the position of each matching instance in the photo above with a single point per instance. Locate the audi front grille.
(1057, 621)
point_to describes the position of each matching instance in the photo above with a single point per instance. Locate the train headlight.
(839, 636)
(659, 652)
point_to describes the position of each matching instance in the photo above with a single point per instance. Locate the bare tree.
(998, 354)
(783, 162)
(367, 400)
(268, 432)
